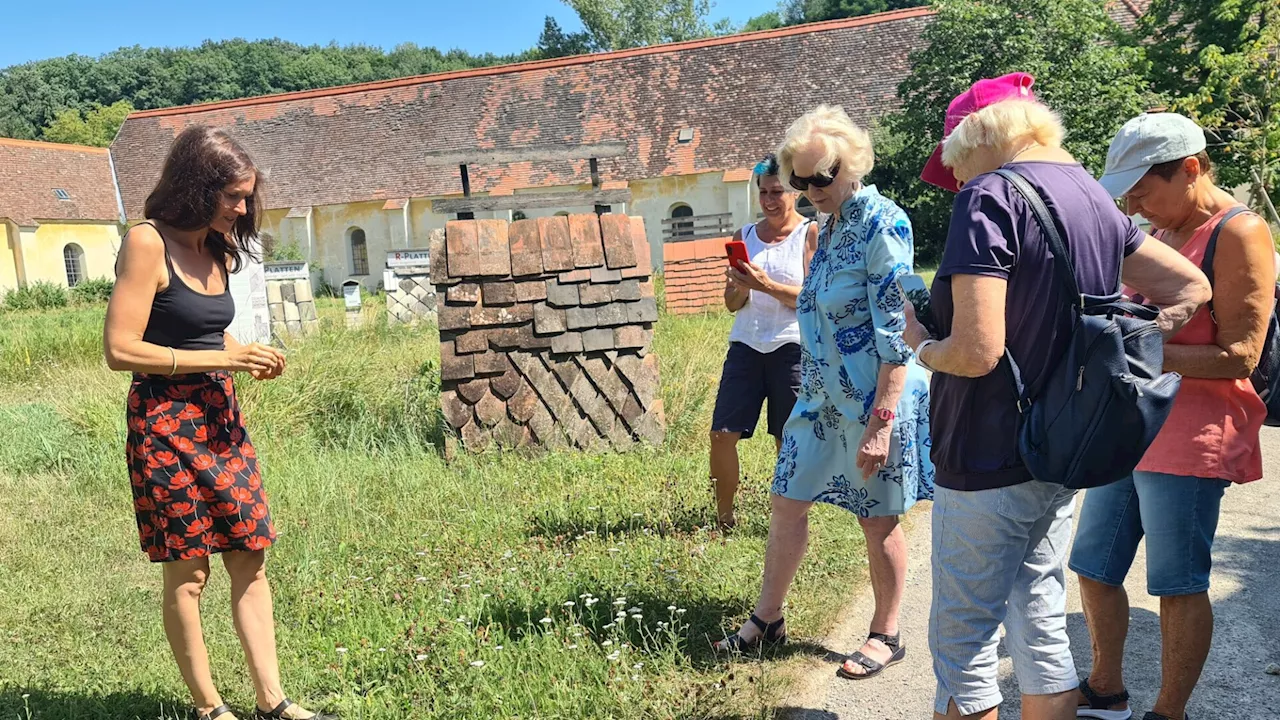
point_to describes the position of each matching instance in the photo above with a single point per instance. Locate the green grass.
(396, 573)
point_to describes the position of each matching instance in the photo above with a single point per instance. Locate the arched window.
(685, 229)
(359, 253)
(73, 260)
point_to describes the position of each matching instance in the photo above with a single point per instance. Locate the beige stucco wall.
(41, 250)
(8, 264)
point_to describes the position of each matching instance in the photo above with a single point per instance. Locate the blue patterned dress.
(851, 320)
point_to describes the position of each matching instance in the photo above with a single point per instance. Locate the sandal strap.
(216, 713)
(1102, 702)
(278, 711)
(870, 664)
(893, 642)
(768, 630)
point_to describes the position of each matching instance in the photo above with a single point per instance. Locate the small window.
(685, 136)
(466, 216)
(61, 194)
(518, 215)
(359, 253)
(603, 209)
(73, 260)
(684, 229)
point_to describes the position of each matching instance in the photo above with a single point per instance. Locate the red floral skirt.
(196, 487)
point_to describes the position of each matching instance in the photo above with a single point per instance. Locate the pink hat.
(983, 93)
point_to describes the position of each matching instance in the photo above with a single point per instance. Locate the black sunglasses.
(819, 180)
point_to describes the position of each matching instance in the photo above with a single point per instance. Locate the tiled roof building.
(42, 181)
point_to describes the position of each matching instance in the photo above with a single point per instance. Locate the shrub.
(38, 296)
(90, 292)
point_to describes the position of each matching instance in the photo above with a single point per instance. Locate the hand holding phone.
(737, 252)
(917, 293)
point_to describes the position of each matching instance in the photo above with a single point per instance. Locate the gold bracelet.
(173, 355)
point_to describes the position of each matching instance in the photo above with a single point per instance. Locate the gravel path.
(1246, 599)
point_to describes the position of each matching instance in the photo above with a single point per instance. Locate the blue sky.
(38, 30)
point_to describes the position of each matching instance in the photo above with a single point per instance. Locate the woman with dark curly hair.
(196, 487)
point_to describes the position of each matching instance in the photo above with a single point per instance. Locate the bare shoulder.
(1247, 227)
(737, 235)
(144, 240)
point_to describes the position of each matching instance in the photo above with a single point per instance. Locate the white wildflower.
(545, 621)
(606, 643)
(341, 650)
(477, 663)
(420, 658)
(568, 603)
(614, 655)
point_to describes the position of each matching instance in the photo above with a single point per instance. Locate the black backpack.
(1098, 410)
(1266, 376)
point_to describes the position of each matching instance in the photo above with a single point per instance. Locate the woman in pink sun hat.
(1000, 535)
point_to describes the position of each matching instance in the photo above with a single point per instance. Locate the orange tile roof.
(32, 172)
(370, 141)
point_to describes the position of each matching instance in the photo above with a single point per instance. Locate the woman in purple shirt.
(999, 535)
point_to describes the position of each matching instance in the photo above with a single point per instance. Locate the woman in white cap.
(1159, 166)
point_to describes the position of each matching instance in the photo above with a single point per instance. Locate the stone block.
(644, 265)
(606, 380)
(291, 312)
(295, 326)
(273, 293)
(611, 315)
(439, 268)
(619, 250)
(507, 384)
(277, 312)
(567, 343)
(453, 317)
(288, 293)
(307, 311)
(580, 318)
(625, 291)
(576, 276)
(651, 428)
(595, 294)
(598, 339)
(471, 342)
(567, 371)
(302, 290)
(476, 438)
(522, 403)
(472, 390)
(492, 363)
(544, 428)
(562, 294)
(641, 376)
(498, 293)
(644, 311)
(647, 289)
(490, 410)
(495, 250)
(605, 275)
(279, 329)
(509, 435)
(481, 316)
(548, 320)
(462, 247)
(526, 248)
(557, 246)
(454, 366)
(531, 290)
(631, 410)
(631, 337)
(406, 284)
(584, 231)
(456, 411)
(466, 293)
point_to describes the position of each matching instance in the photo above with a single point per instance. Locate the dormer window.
(61, 194)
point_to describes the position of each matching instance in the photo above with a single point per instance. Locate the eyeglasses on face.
(820, 180)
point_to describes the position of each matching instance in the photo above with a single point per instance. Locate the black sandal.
(215, 713)
(1099, 707)
(874, 668)
(278, 712)
(771, 634)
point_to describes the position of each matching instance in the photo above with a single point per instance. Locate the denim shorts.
(1179, 516)
(998, 557)
(748, 379)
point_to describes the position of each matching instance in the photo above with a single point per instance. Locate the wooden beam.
(534, 153)
(466, 180)
(531, 200)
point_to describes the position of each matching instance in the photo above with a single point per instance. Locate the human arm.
(1167, 280)
(810, 246)
(1243, 300)
(232, 345)
(140, 270)
(977, 337)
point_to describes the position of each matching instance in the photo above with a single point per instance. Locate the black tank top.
(184, 319)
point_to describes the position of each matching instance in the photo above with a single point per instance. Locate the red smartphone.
(737, 252)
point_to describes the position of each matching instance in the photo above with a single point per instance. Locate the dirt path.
(1246, 599)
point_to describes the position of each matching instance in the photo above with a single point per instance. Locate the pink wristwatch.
(884, 414)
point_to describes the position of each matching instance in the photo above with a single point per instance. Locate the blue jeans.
(1178, 515)
(999, 557)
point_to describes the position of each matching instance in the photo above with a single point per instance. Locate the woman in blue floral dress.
(858, 437)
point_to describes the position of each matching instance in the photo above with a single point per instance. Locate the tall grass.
(405, 585)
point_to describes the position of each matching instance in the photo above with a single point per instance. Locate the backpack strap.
(1211, 249)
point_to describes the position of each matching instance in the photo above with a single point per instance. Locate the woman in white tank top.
(763, 362)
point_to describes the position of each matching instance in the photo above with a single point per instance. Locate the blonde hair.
(1004, 128)
(843, 141)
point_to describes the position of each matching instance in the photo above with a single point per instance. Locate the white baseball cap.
(1145, 141)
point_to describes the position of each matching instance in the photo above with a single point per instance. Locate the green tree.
(1223, 69)
(621, 24)
(806, 11)
(555, 42)
(96, 126)
(767, 21)
(1073, 49)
